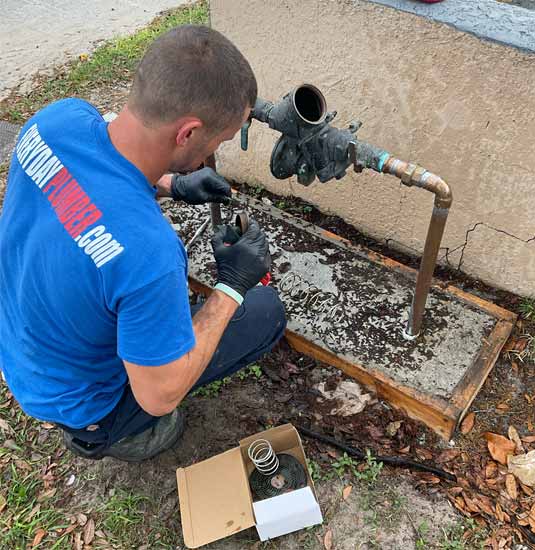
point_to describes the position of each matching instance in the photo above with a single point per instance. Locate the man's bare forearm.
(208, 325)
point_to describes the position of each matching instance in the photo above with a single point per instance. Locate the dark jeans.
(256, 327)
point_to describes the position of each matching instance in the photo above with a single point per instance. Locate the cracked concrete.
(460, 106)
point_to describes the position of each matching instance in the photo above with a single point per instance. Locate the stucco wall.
(460, 106)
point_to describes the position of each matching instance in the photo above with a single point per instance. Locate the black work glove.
(241, 260)
(199, 187)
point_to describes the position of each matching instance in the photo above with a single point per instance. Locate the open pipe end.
(309, 103)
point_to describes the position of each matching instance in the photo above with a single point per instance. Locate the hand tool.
(197, 234)
(215, 208)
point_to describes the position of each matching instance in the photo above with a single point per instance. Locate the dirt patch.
(381, 514)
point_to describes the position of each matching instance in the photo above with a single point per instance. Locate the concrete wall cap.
(487, 19)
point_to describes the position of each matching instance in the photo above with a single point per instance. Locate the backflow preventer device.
(309, 148)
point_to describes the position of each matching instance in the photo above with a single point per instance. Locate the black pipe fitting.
(309, 146)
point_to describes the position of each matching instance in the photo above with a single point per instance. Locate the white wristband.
(229, 292)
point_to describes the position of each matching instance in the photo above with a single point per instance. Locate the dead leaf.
(424, 454)
(511, 487)
(328, 540)
(347, 491)
(491, 469)
(393, 427)
(292, 369)
(69, 529)
(35, 510)
(375, 432)
(45, 495)
(11, 445)
(81, 519)
(38, 537)
(78, 544)
(499, 512)
(3, 502)
(459, 503)
(5, 426)
(502, 406)
(528, 439)
(471, 504)
(89, 531)
(47, 425)
(405, 450)
(448, 455)
(513, 436)
(499, 447)
(517, 345)
(468, 423)
(485, 504)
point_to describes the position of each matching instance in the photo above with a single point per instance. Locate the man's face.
(203, 143)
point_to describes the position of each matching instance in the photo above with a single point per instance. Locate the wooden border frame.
(441, 415)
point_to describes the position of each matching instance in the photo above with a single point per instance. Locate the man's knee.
(266, 309)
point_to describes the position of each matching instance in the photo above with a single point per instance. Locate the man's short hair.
(193, 70)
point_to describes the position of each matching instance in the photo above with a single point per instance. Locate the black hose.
(391, 460)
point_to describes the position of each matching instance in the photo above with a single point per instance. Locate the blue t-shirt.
(90, 271)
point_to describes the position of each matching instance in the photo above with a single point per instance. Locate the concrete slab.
(341, 300)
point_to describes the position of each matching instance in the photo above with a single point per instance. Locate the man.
(96, 332)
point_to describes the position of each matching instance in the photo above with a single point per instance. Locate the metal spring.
(263, 456)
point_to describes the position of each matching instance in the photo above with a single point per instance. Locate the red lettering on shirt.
(82, 220)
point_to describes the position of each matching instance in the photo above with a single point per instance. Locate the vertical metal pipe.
(427, 267)
(215, 208)
(411, 174)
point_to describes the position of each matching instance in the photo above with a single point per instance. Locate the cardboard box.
(216, 501)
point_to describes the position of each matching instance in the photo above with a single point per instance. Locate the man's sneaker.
(135, 448)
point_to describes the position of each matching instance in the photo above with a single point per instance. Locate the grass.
(121, 512)
(213, 389)
(367, 471)
(27, 512)
(465, 535)
(527, 308)
(112, 63)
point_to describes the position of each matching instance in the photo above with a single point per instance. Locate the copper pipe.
(411, 174)
(215, 208)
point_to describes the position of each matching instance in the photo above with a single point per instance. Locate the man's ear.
(186, 129)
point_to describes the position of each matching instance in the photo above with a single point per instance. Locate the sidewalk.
(39, 34)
